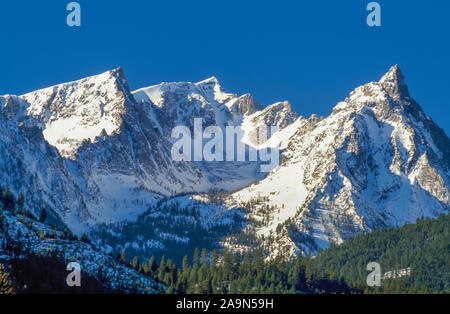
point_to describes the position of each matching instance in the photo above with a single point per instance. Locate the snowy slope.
(99, 155)
(79, 111)
(94, 152)
(377, 160)
(179, 103)
(86, 150)
(173, 227)
(93, 261)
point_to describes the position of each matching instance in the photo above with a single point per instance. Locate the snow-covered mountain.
(86, 150)
(377, 160)
(96, 153)
(21, 236)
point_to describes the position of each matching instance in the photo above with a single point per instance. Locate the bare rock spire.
(394, 83)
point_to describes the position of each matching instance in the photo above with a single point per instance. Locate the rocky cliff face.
(94, 152)
(377, 160)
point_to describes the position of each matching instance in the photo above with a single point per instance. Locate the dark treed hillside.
(34, 256)
(424, 247)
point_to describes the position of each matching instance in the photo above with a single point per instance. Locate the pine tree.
(193, 280)
(204, 257)
(185, 264)
(123, 257)
(214, 258)
(195, 257)
(162, 264)
(162, 269)
(153, 265)
(135, 262)
(21, 200)
(8, 199)
(228, 266)
(258, 261)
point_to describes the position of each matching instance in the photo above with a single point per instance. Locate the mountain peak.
(211, 85)
(211, 80)
(244, 105)
(393, 75)
(74, 112)
(394, 83)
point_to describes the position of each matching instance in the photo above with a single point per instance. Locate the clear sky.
(312, 53)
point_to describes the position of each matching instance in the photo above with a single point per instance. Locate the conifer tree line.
(423, 246)
(216, 273)
(27, 271)
(16, 205)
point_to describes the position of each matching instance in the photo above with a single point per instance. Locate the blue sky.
(312, 53)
